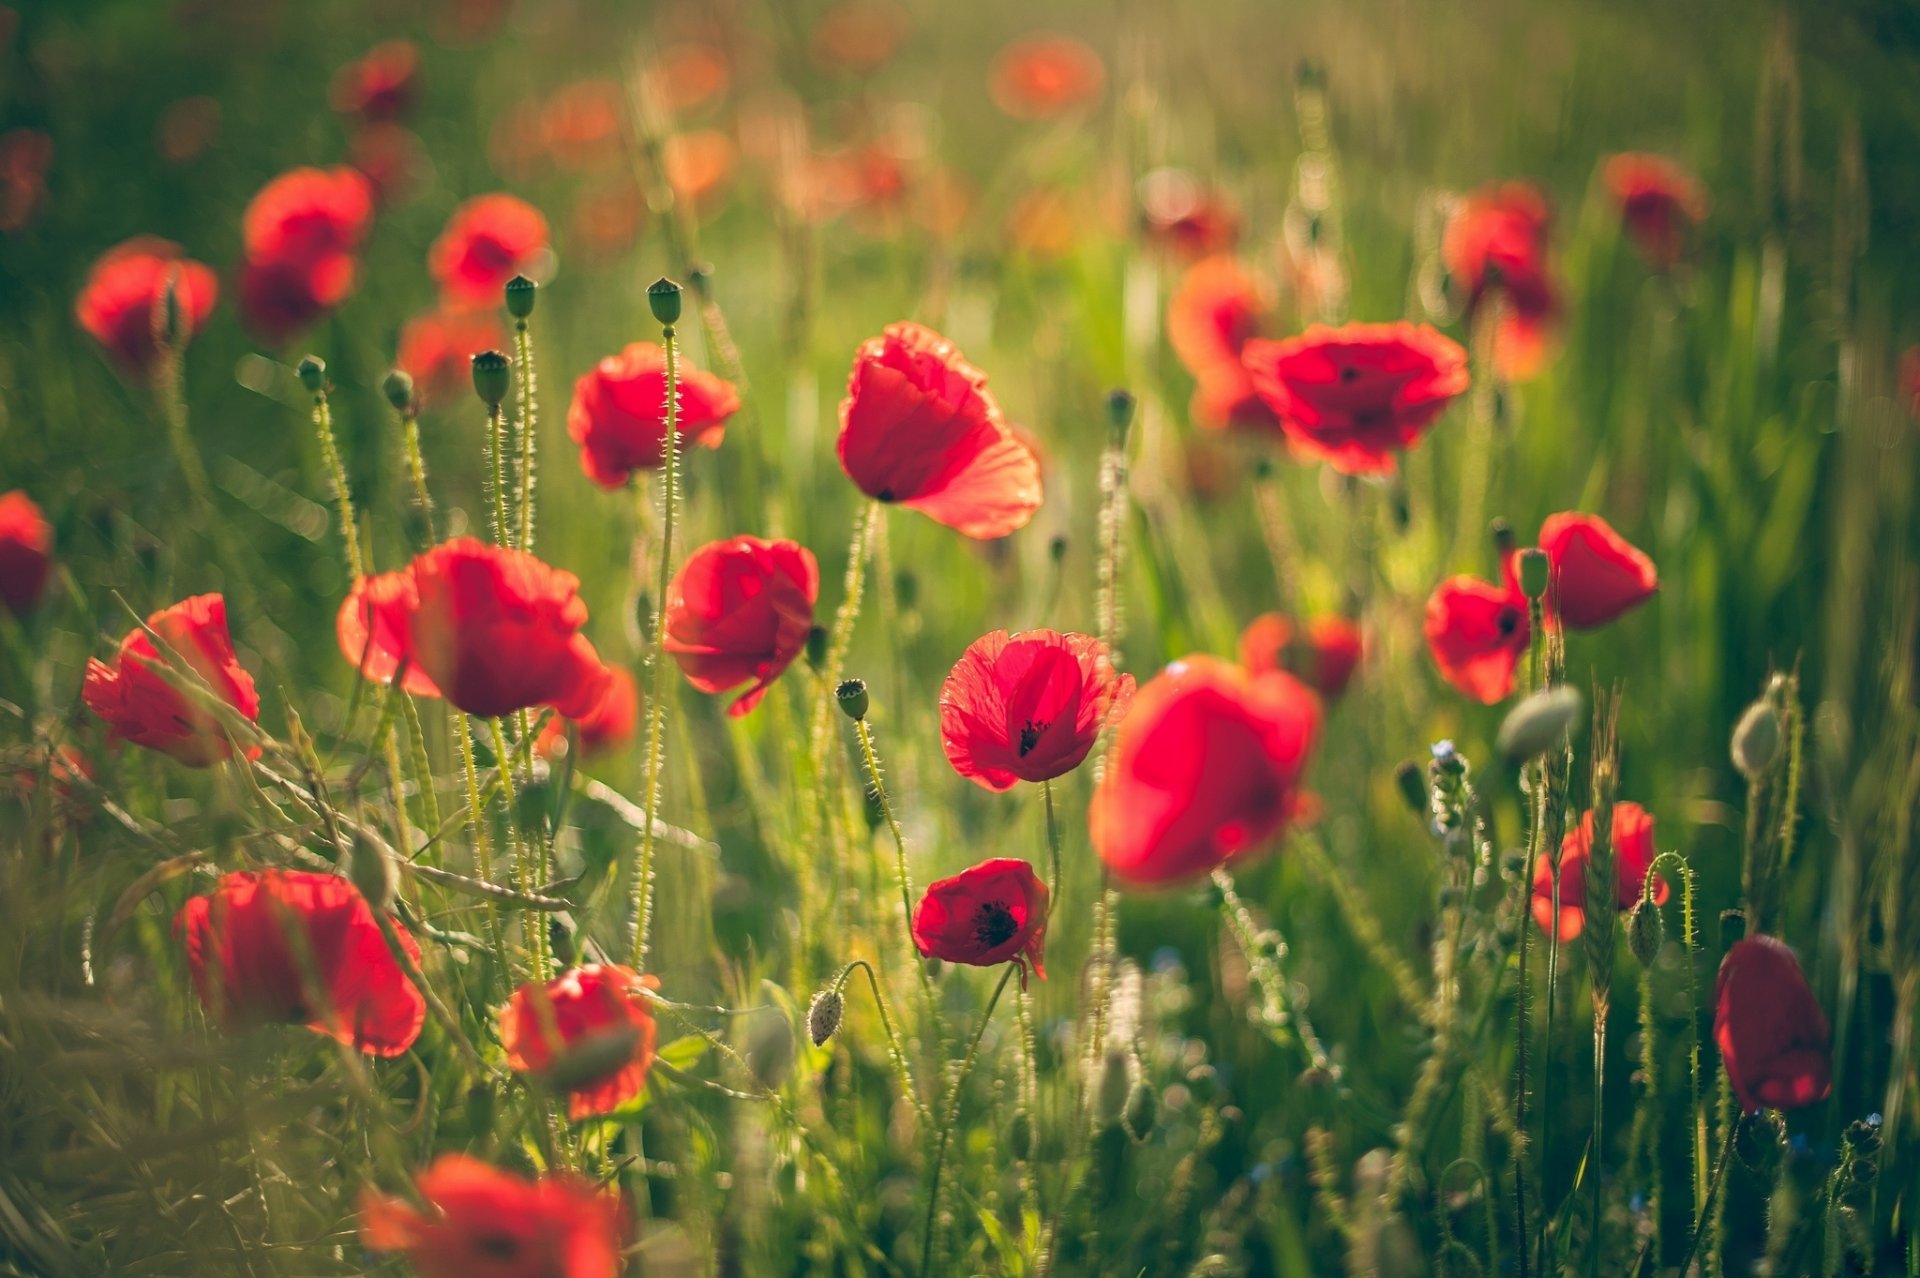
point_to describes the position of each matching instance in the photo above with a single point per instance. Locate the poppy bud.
(1502, 538)
(1646, 932)
(1413, 786)
(823, 1016)
(373, 872)
(398, 388)
(1756, 740)
(1733, 926)
(1057, 548)
(1119, 412)
(521, 294)
(1534, 570)
(663, 296)
(1538, 724)
(852, 696)
(1139, 1113)
(700, 278)
(1863, 1137)
(313, 374)
(1113, 1086)
(816, 646)
(491, 375)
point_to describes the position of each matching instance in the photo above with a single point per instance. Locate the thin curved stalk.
(952, 1115)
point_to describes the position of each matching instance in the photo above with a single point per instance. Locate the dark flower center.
(886, 495)
(497, 1246)
(1509, 622)
(1349, 374)
(993, 924)
(1030, 735)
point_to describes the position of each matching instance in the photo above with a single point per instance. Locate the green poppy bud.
(398, 388)
(823, 1016)
(817, 646)
(1538, 724)
(1646, 932)
(1412, 780)
(1112, 1087)
(492, 373)
(1756, 740)
(663, 296)
(313, 374)
(1534, 571)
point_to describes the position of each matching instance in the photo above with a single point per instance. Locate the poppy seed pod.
(1534, 570)
(663, 298)
(852, 696)
(398, 388)
(492, 374)
(521, 294)
(1538, 724)
(823, 1016)
(313, 374)
(1756, 740)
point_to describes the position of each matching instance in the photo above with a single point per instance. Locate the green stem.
(497, 474)
(416, 463)
(482, 841)
(872, 761)
(337, 475)
(952, 1115)
(1713, 1190)
(894, 1048)
(1053, 847)
(1597, 1155)
(523, 879)
(528, 428)
(657, 697)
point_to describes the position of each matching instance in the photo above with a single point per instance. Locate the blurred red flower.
(488, 240)
(1206, 765)
(683, 77)
(1323, 654)
(25, 156)
(1044, 75)
(1660, 203)
(1477, 633)
(391, 157)
(581, 124)
(698, 165)
(302, 235)
(1597, 575)
(1215, 311)
(437, 347)
(1495, 244)
(591, 1028)
(142, 705)
(1358, 395)
(484, 1223)
(374, 624)
(65, 766)
(26, 552)
(739, 611)
(1028, 707)
(619, 419)
(1182, 214)
(858, 36)
(608, 726)
(920, 428)
(1633, 853)
(1773, 1038)
(337, 978)
(119, 304)
(381, 85)
(991, 913)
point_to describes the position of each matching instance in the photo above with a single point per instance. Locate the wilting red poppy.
(991, 913)
(25, 156)
(374, 626)
(298, 948)
(485, 1223)
(1323, 654)
(1496, 243)
(739, 611)
(594, 1013)
(26, 552)
(1214, 313)
(142, 705)
(437, 347)
(381, 85)
(1597, 575)
(1182, 214)
(1206, 765)
(118, 304)
(1040, 76)
(1028, 707)
(1660, 203)
(488, 240)
(1773, 1037)
(302, 235)
(1477, 633)
(1633, 853)
(619, 416)
(1357, 396)
(608, 726)
(919, 427)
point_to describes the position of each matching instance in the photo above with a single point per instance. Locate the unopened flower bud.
(1863, 1137)
(1534, 571)
(1119, 412)
(560, 938)
(1412, 780)
(1756, 740)
(313, 374)
(398, 387)
(906, 585)
(1113, 1086)
(663, 296)
(1733, 927)
(1538, 724)
(373, 872)
(1863, 1171)
(823, 1016)
(1646, 932)
(1139, 1113)
(816, 646)
(492, 372)
(852, 696)
(521, 295)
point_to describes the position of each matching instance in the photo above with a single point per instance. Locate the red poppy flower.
(375, 625)
(437, 347)
(1772, 1035)
(302, 234)
(485, 1223)
(581, 124)
(338, 977)
(594, 1009)
(117, 305)
(1028, 707)
(1496, 242)
(488, 240)
(391, 157)
(697, 165)
(1660, 203)
(619, 418)
(1182, 214)
(919, 427)
(143, 705)
(608, 726)
(1358, 395)
(739, 611)
(381, 85)
(1597, 574)
(26, 552)
(684, 77)
(1633, 853)
(1040, 76)
(1214, 313)
(992, 913)
(1323, 655)
(1205, 766)
(1477, 633)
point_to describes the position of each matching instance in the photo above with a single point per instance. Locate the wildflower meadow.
(838, 637)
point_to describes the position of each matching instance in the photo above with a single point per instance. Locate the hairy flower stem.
(497, 475)
(894, 1049)
(416, 464)
(1522, 1237)
(523, 879)
(840, 637)
(657, 695)
(879, 788)
(1053, 847)
(422, 765)
(1713, 1190)
(951, 1116)
(527, 427)
(337, 476)
(482, 839)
